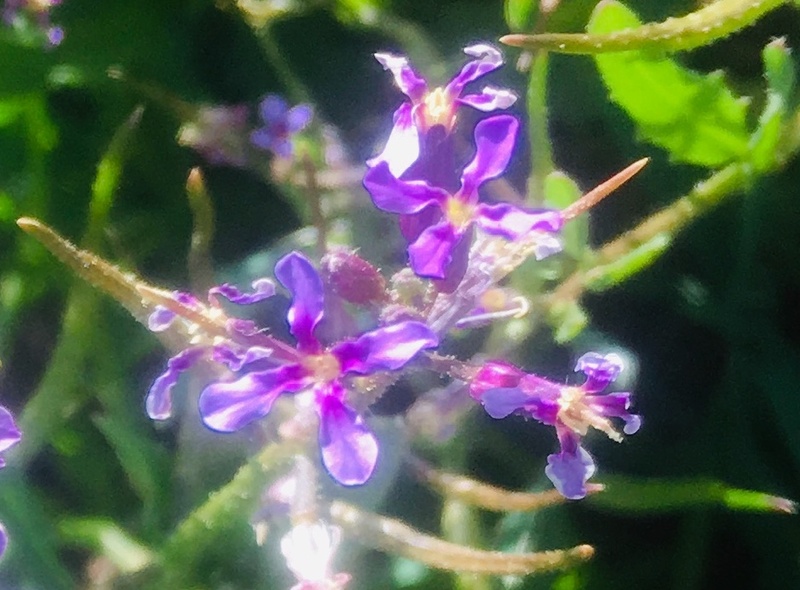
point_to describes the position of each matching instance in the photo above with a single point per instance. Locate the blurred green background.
(712, 325)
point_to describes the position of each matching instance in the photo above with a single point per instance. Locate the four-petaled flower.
(503, 389)
(429, 108)
(437, 223)
(280, 124)
(9, 436)
(349, 449)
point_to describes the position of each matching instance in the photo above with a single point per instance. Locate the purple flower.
(159, 398)
(504, 389)
(280, 124)
(438, 223)
(349, 449)
(438, 107)
(9, 436)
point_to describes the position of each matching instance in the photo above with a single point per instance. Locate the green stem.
(702, 27)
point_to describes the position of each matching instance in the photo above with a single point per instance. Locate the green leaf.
(669, 495)
(780, 75)
(694, 117)
(521, 14)
(569, 319)
(106, 538)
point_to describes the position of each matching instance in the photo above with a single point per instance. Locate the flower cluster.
(352, 331)
(9, 436)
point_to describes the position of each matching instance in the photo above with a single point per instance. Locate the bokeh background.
(711, 327)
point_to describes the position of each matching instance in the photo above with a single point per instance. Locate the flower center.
(437, 109)
(458, 212)
(324, 367)
(578, 415)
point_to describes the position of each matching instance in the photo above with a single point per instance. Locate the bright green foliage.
(780, 75)
(695, 117)
(520, 14)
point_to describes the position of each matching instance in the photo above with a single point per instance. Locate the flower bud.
(352, 278)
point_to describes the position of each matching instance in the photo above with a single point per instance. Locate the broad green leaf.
(780, 75)
(695, 117)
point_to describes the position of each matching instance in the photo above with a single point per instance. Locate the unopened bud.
(352, 278)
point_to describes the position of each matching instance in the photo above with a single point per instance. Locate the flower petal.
(385, 349)
(504, 401)
(402, 148)
(488, 59)
(599, 369)
(494, 375)
(3, 539)
(273, 108)
(407, 80)
(494, 140)
(262, 289)
(159, 399)
(161, 319)
(227, 407)
(235, 360)
(349, 449)
(570, 470)
(616, 405)
(9, 433)
(431, 253)
(301, 279)
(299, 117)
(511, 222)
(490, 99)
(400, 196)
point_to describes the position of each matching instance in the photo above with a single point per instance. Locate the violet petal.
(431, 252)
(494, 375)
(159, 399)
(161, 319)
(488, 59)
(503, 401)
(235, 360)
(569, 472)
(511, 222)
(299, 117)
(489, 99)
(616, 405)
(399, 196)
(273, 108)
(494, 139)
(229, 406)
(9, 433)
(301, 279)
(385, 349)
(407, 80)
(3, 539)
(402, 147)
(349, 449)
(600, 370)
(262, 289)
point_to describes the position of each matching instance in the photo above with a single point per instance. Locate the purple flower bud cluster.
(352, 330)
